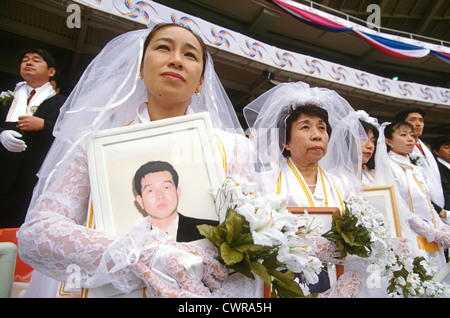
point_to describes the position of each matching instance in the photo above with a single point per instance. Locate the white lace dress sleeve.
(55, 237)
(237, 152)
(55, 234)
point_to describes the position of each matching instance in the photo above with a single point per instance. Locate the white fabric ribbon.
(431, 174)
(20, 107)
(192, 263)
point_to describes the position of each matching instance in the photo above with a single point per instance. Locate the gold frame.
(387, 199)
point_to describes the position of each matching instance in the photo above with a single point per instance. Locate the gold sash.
(422, 242)
(305, 188)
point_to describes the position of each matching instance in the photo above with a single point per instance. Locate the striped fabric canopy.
(312, 18)
(391, 45)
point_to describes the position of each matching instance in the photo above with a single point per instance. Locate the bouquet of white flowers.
(414, 278)
(259, 236)
(361, 231)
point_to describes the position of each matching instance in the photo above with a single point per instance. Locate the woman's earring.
(141, 76)
(197, 91)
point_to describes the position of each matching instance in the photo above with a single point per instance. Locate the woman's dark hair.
(164, 25)
(369, 127)
(391, 128)
(295, 112)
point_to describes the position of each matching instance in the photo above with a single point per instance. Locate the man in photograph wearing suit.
(158, 194)
(26, 133)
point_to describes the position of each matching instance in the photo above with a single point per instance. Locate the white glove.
(428, 231)
(422, 228)
(166, 267)
(325, 250)
(443, 238)
(183, 282)
(12, 141)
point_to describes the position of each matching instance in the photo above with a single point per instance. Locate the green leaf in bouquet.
(229, 255)
(212, 233)
(284, 284)
(244, 267)
(348, 238)
(261, 271)
(360, 251)
(419, 269)
(234, 225)
(253, 250)
(351, 238)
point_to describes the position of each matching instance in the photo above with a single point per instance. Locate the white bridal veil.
(266, 117)
(108, 94)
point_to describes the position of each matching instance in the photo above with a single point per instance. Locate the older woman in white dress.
(291, 128)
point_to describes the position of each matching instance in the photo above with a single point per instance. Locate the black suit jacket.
(445, 179)
(18, 170)
(187, 228)
(38, 143)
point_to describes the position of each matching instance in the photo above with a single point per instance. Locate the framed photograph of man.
(383, 198)
(182, 152)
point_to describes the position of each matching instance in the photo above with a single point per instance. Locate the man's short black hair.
(48, 58)
(437, 142)
(152, 167)
(401, 116)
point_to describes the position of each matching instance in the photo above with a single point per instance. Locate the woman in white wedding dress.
(369, 148)
(138, 77)
(427, 234)
(309, 152)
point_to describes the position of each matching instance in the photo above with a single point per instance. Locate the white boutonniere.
(415, 159)
(6, 97)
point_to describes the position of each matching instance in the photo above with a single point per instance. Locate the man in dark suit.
(26, 134)
(441, 148)
(158, 193)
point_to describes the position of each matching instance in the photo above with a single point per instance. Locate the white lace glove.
(347, 286)
(402, 245)
(428, 231)
(140, 255)
(443, 238)
(186, 267)
(325, 250)
(184, 285)
(12, 141)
